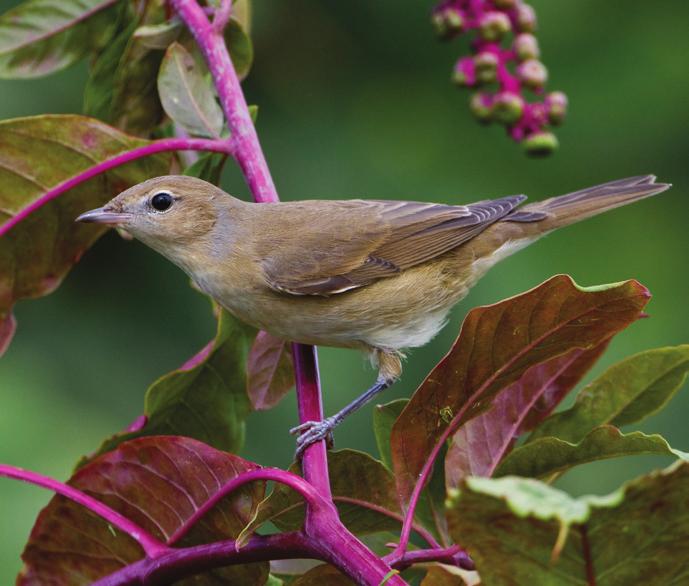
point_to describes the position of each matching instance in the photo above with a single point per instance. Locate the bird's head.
(166, 212)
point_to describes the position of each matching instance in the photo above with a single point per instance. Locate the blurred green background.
(355, 101)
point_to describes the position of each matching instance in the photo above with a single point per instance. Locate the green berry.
(556, 103)
(494, 25)
(532, 73)
(526, 19)
(526, 47)
(540, 144)
(507, 108)
(481, 107)
(486, 67)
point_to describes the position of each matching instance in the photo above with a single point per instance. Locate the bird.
(375, 275)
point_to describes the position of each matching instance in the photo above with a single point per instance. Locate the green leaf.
(550, 455)
(39, 37)
(269, 371)
(36, 154)
(521, 531)
(206, 398)
(384, 417)
(208, 167)
(187, 96)
(496, 346)
(627, 392)
(159, 36)
(240, 47)
(122, 87)
(157, 482)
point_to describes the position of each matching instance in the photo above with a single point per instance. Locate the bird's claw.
(311, 432)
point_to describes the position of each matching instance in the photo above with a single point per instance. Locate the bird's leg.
(389, 369)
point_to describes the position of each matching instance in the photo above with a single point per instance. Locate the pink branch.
(176, 564)
(315, 458)
(152, 546)
(222, 15)
(295, 482)
(159, 146)
(453, 555)
(248, 151)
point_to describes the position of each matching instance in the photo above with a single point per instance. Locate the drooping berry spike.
(503, 65)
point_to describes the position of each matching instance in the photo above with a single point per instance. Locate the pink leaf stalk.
(158, 146)
(501, 72)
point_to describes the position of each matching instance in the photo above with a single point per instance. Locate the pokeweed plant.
(461, 490)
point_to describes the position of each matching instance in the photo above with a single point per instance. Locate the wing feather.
(380, 240)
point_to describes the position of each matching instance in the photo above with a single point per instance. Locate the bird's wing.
(373, 240)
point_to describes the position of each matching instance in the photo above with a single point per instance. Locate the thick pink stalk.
(153, 547)
(297, 483)
(248, 151)
(177, 564)
(158, 146)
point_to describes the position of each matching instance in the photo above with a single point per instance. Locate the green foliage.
(187, 95)
(40, 37)
(520, 531)
(37, 154)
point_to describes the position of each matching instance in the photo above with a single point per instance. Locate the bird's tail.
(567, 209)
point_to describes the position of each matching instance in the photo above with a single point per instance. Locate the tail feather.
(566, 209)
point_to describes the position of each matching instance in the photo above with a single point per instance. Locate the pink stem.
(158, 146)
(315, 459)
(152, 546)
(295, 482)
(453, 555)
(222, 15)
(248, 151)
(176, 564)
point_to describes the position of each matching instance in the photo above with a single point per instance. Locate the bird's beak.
(103, 216)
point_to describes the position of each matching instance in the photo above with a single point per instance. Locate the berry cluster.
(500, 73)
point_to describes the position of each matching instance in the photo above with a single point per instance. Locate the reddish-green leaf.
(39, 37)
(158, 482)
(480, 444)
(37, 154)
(496, 346)
(269, 371)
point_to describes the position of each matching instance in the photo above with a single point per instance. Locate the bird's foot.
(311, 432)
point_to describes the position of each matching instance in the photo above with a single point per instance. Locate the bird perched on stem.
(380, 276)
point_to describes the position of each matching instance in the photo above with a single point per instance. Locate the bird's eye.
(161, 201)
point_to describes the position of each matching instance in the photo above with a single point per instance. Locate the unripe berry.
(464, 73)
(486, 66)
(526, 18)
(556, 106)
(481, 107)
(526, 47)
(507, 108)
(494, 25)
(540, 144)
(447, 22)
(532, 73)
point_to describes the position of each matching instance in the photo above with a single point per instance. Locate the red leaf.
(496, 346)
(269, 371)
(158, 482)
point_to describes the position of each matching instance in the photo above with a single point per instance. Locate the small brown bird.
(376, 275)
